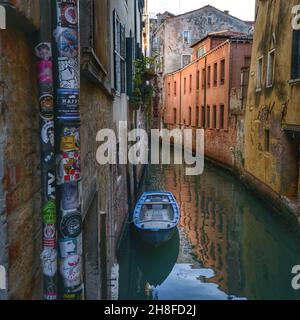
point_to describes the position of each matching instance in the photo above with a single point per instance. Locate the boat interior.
(157, 213)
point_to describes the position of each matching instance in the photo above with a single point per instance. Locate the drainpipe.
(205, 93)
(45, 84)
(180, 117)
(66, 51)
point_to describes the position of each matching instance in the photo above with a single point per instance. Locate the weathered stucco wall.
(274, 109)
(199, 23)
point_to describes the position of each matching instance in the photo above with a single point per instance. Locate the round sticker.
(71, 225)
(71, 15)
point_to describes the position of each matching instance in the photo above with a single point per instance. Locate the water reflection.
(230, 245)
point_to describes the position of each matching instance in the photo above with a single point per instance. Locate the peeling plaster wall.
(274, 108)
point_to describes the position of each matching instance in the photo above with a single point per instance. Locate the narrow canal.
(228, 246)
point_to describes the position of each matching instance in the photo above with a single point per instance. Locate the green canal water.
(229, 245)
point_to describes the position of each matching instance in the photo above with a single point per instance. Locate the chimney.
(226, 11)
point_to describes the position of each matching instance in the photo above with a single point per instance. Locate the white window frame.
(270, 77)
(189, 38)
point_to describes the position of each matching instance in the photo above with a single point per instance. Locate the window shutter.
(129, 65)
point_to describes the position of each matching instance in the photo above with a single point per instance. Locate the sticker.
(68, 167)
(45, 72)
(70, 140)
(71, 163)
(51, 185)
(70, 247)
(68, 103)
(49, 232)
(68, 73)
(71, 271)
(49, 262)
(70, 196)
(67, 42)
(48, 157)
(49, 213)
(47, 133)
(68, 15)
(43, 51)
(71, 225)
(46, 105)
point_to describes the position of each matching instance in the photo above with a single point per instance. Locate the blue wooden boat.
(156, 217)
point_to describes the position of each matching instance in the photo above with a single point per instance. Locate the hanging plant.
(143, 89)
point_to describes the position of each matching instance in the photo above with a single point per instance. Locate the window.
(210, 19)
(198, 80)
(222, 115)
(184, 86)
(296, 55)
(267, 140)
(169, 88)
(190, 116)
(215, 74)
(222, 72)
(201, 52)
(203, 117)
(119, 55)
(94, 48)
(175, 88)
(203, 78)
(271, 68)
(175, 116)
(208, 117)
(208, 76)
(247, 62)
(214, 117)
(186, 37)
(259, 73)
(197, 117)
(191, 83)
(186, 59)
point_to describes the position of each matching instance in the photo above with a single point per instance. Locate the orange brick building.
(210, 93)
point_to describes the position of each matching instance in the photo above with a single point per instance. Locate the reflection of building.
(211, 222)
(272, 128)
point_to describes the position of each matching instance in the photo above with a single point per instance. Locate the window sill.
(258, 90)
(294, 82)
(94, 71)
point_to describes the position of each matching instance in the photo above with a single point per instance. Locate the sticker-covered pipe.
(45, 84)
(66, 48)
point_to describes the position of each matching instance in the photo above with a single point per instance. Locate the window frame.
(222, 71)
(119, 50)
(295, 61)
(270, 79)
(189, 38)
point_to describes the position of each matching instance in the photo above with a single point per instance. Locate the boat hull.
(156, 238)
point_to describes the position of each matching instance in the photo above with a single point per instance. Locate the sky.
(241, 9)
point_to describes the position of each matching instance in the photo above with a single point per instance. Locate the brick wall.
(20, 158)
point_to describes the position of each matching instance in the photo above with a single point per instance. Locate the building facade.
(107, 190)
(172, 36)
(273, 115)
(209, 94)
